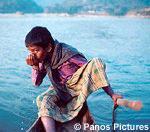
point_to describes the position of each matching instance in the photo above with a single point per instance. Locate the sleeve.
(38, 75)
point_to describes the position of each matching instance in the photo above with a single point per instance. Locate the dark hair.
(39, 36)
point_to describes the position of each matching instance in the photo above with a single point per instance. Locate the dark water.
(123, 43)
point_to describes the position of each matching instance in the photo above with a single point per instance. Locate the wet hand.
(132, 104)
(115, 97)
(32, 60)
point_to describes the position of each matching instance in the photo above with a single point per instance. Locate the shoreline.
(5, 15)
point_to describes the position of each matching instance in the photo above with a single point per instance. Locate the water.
(123, 43)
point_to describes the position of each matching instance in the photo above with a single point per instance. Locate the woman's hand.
(115, 97)
(32, 60)
(132, 104)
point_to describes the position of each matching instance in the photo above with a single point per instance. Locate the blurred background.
(117, 31)
(103, 7)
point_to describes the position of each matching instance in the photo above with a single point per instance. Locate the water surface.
(123, 43)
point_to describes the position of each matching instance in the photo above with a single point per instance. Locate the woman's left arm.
(111, 93)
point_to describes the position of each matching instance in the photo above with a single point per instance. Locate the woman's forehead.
(32, 47)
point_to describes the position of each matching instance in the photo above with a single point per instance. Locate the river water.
(123, 44)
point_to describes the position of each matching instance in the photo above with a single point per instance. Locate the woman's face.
(39, 52)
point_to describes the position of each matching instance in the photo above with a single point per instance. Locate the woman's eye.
(36, 50)
(31, 52)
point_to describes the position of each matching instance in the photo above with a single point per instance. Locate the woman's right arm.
(38, 73)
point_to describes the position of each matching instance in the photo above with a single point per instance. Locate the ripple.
(126, 54)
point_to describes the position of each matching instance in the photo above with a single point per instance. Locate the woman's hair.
(39, 36)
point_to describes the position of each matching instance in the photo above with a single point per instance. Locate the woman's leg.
(46, 102)
(49, 124)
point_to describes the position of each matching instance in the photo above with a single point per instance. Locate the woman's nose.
(34, 52)
(35, 55)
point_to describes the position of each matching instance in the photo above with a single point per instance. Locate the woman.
(72, 77)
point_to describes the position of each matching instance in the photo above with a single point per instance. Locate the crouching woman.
(72, 76)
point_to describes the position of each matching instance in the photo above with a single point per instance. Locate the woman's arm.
(111, 93)
(38, 73)
(108, 90)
